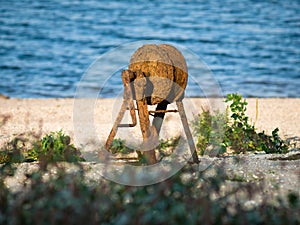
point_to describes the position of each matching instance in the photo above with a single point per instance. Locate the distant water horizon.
(251, 47)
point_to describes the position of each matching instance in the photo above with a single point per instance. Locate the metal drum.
(165, 70)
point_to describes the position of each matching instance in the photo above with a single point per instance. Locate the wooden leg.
(140, 85)
(146, 132)
(127, 103)
(126, 76)
(114, 129)
(187, 131)
(132, 112)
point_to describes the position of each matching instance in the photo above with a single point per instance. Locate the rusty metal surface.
(163, 111)
(165, 69)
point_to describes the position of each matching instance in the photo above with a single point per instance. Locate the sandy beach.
(19, 116)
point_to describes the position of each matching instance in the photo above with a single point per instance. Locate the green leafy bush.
(54, 147)
(232, 130)
(189, 197)
(12, 151)
(118, 146)
(166, 146)
(209, 130)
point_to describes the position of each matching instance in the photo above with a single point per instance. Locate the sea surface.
(251, 47)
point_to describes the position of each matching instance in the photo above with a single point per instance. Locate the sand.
(19, 116)
(87, 119)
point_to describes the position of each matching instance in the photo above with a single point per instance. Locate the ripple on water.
(252, 47)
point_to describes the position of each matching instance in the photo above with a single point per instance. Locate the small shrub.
(234, 131)
(4, 157)
(202, 128)
(166, 146)
(209, 130)
(54, 147)
(11, 152)
(118, 146)
(241, 136)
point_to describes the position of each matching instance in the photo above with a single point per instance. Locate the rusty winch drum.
(156, 75)
(164, 69)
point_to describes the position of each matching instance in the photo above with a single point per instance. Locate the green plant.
(54, 147)
(209, 130)
(166, 146)
(11, 152)
(233, 130)
(4, 157)
(241, 136)
(202, 128)
(118, 146)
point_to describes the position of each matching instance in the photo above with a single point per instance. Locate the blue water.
(252, 47)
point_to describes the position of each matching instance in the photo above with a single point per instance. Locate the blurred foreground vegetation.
(189, 197)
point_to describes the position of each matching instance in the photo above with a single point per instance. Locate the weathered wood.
(187, 131)
(140, 86)
(114, 129)
(126, 104)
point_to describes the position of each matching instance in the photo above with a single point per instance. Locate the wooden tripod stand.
(134, 89)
